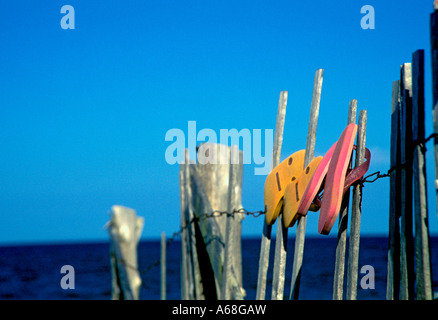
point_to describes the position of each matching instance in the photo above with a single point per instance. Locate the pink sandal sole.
(335, 179)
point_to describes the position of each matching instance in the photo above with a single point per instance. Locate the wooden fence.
(217, 187)
(125, 228)
(211, 242)
(409, 263)
(211, 195)
(211, 202)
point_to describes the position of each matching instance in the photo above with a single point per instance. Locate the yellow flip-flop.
(277, 180)
(294, 192)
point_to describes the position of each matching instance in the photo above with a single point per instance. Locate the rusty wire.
(175, 235)
(217, 213)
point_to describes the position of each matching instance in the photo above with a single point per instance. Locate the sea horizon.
(158, 239)
(32, 271)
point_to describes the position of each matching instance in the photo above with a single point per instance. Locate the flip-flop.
(335, 179)
(314, 185)
(357, 172)
(294, 192)
(276, 183)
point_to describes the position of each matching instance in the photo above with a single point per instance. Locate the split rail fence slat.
(310, 151)
(393, 268)
(356, 212)
(267, 229)
(422, 242)
(338, 281)
(434, 59)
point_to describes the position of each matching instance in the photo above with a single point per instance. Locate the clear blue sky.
(84, 112)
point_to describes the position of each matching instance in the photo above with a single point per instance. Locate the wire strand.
(175, 235)
(217, 213)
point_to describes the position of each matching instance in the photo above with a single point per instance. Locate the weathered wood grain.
(407, 273)
(125, 228)
(280, 254)
(310, 151)
(338, 278)
(266, 235)
(423, 269)
(393, 268)
(356, 212)
(434, 60)
(185, 278)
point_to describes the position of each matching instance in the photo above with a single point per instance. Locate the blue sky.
(84, 112)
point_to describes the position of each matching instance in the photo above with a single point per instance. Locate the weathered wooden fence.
(282, 232)
(211, 248)
(211, 265)
(409, 262)
(211, 200)
(211, 209)
(211, 230)
(125, 229)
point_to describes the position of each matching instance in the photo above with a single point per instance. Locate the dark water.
(33, 272)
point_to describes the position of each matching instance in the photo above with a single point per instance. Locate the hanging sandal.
(276, 183)
(294, 192)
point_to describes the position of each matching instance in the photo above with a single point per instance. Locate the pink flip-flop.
(315, 183)
(335, 179)
(310, 197)
(358, 172)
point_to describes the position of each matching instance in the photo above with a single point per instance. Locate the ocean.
(32, 272)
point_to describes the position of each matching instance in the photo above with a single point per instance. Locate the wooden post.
(194, 280)
(266, 236)
(278, 276)
(263, 261)
(214, 171)
(434, 59)
(211, 185)
(281, 237)
(338, 281)
(422, 242)
(310, 151)
(125, 229)
(353, 250)
(407, 275)
(234, 203)
(163, 266)
(393, 270)
(208, 240)
(185, 275)
(228, 291)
